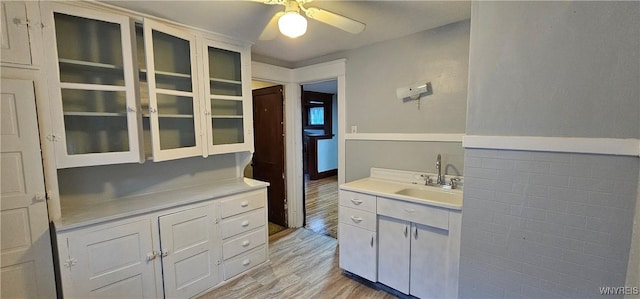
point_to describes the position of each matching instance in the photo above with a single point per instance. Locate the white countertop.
(444, 198)
(78, 215)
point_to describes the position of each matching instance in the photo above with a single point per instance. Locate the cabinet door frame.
(171, 258)
(134, 117)
(247, 107)
(394, 247)
(358, 251)
(75, 276)
(429, 261)
(175, 153)
(17, 37)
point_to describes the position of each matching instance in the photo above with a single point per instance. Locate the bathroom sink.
(431, 195)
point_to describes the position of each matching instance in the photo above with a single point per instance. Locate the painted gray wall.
(542, 224)
(406, 155)
(566, 69)
(100, 183)
(373, 73)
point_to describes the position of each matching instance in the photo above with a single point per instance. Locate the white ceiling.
(245, 20)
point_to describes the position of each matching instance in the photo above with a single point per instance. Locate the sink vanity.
(396, 231)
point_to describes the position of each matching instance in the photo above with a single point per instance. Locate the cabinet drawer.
(414, 212)
(358, 218)
(243, 223)
(242, 203)
(244, 262)
(358, 201)
(243, 243)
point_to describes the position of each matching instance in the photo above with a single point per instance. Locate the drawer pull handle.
(415, 233)
(371, 240)
(245, 223)
(246, 262)
(356, 201)
(406, 231)
(244, 204)
(246, 243)
(356, 219)
(409, 210)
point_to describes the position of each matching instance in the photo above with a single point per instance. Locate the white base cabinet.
(394, 248)
(173, 253)
(190, 251)
(411, 247)
(357, 234)
(109, 261)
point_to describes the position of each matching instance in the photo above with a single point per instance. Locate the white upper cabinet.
(173, 93)
(92, 85)
(227, 105)
(121, 93)
(15, 33)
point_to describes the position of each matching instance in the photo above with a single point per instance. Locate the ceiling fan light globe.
(292, 24)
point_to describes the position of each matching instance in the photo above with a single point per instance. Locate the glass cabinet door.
(173, 107)
(93, 89)
(228, 98)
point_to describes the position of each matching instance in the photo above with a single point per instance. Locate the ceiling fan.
(292, 24)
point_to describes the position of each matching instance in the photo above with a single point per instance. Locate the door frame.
(291, 79)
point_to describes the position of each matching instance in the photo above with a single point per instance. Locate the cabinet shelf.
(170, 115)
(225, 81)
(90, 64)
(169, 74)
(95, 114)
(227, 116)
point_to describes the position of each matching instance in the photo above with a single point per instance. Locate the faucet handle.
(427, 180)
(453, 182)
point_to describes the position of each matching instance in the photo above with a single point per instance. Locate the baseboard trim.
(603, 146)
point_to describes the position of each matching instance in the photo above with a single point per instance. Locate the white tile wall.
(545, 224)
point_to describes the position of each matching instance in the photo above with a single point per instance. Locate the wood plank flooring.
(321, 202)
(303, 264)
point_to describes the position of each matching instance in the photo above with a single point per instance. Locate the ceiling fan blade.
(335, 20)
(270, 31)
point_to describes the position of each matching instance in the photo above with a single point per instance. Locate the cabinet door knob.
(152, 255)
(164, 252)
(152, 110)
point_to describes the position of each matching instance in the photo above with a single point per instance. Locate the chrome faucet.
(440, 179)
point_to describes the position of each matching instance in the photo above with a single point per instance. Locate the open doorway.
(268, 162)
(319, 111)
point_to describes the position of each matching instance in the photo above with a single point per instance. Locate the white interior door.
(25, 248)
(15, 33)
(190, 252)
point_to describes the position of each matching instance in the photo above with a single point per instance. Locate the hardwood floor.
(303, 264)
(321, 202)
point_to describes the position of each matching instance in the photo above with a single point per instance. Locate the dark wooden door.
(268, 159)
